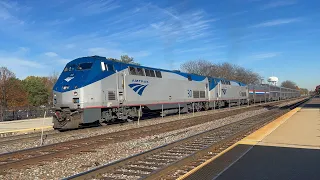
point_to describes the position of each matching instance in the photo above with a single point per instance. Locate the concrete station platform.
(24, 126)
(287, 148)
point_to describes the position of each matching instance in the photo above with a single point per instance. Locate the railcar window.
(140, 72)
(189, 78)
(84, 66)
(110, 67)
(132, 71)
(152, 74)
(147, 71)
(158, 74)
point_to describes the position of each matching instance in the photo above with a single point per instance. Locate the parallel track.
(19, 159)
(12, 139)
(174, 159)
(22, 158)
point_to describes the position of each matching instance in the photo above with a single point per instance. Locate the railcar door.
(219, 89)
(121, 86)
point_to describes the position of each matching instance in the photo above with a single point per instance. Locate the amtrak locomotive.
(96, 89)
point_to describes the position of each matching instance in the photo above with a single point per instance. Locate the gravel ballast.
(84, 133)
(59, 168)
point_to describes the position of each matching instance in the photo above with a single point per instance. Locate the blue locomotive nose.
(73, 77)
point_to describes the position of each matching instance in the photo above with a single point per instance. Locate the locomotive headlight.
(54, 95)
(75, 93)
(65, 87)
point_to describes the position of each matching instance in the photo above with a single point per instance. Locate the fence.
(26, 113)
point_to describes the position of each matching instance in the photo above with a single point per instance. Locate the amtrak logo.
(224, 91)
(68, 79)
(138, 88)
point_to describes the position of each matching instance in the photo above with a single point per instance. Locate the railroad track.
(14, 139)
(22, 158)
(175, 159)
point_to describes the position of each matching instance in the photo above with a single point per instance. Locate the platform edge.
(252, 139)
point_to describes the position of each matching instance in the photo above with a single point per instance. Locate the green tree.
(38, 93)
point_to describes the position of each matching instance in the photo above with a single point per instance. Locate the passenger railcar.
(95, 89)
(266, 92)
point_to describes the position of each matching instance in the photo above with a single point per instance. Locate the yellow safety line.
(252, 139)
(26, 130)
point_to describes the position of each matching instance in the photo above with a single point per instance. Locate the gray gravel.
(60, 168)
(18, 145)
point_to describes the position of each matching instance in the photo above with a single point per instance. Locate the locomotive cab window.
(110, 67)
(84, 66)
(140, 72)
(132, 71)
(158, 74)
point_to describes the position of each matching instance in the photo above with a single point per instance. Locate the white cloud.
(62, 61)
(183, 26)
(199, 49)
(7, 11)
(93, 7)
(276, 4)
(115, 53)
(109, 53)
(262, 56)
(276, 22)
(139, 54)
(20, 66)
(24, 49)
(51, 54)
(60, 21)
(70, 46)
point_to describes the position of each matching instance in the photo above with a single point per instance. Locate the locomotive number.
(189, 93)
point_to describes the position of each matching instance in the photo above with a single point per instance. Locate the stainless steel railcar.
(266, 92)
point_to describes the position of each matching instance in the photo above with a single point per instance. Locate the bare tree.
(224, 70)
(5, 75)
(200, 67)
(51, 81)
(289, 84)
(125, 59)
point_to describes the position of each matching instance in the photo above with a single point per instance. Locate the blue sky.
(279, 37)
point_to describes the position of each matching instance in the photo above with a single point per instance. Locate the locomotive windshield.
(70, 67)
(84, 66)
(80, 67)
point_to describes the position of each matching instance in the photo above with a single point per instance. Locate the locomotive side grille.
(111, 95)
(202, 94)
(196, 94)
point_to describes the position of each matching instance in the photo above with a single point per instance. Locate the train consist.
(95, 89)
